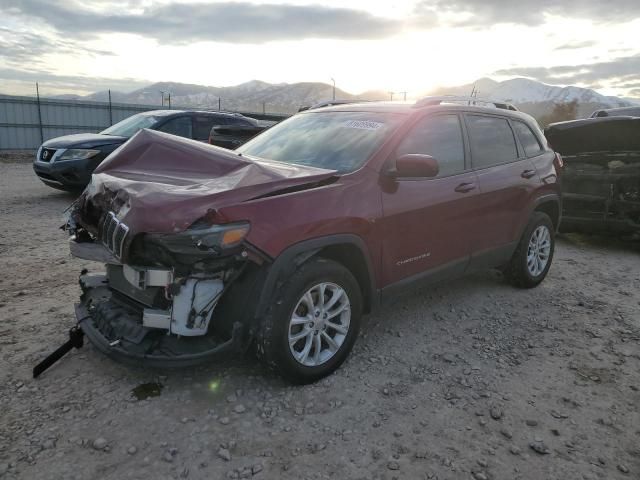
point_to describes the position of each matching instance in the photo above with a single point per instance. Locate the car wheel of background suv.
(313, 322)
(532, 258)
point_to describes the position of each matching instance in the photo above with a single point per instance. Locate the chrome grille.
(113, 234)
(46, 154)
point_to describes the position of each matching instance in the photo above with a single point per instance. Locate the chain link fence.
(26, 122)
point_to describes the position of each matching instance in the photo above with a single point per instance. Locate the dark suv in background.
(617, 112)
(67, 162)
(283, 244)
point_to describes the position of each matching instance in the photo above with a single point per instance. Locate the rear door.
(506, 178)
(426, 219)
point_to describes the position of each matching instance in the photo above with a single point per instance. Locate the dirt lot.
(473, 379)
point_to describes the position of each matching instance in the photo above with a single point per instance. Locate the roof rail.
(429, 101)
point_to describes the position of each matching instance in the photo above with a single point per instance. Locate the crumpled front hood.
(161, 183)
(607, 134)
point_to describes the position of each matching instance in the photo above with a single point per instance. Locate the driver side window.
(439, 136)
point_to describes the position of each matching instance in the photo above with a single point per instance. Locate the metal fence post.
(39, 113)
(110, 112)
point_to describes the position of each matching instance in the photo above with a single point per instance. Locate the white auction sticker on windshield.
(364, 124)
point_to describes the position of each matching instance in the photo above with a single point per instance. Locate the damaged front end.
(601, 177)
(182, 280)
(164, 312)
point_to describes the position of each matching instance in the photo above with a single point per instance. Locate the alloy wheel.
(319, 324)
(539, 250)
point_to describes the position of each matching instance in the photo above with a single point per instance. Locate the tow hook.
(76, 340)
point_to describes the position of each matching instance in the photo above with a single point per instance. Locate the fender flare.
(549, 198)
(546, 198)
(292, 257)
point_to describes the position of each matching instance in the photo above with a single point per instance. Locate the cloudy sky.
(74, 46)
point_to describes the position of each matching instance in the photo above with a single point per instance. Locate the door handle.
(528, 174)
(465, 187)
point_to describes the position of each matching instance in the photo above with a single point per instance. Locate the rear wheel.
(313, 323)
(532, 259)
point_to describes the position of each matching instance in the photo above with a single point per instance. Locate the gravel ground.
(473, 379)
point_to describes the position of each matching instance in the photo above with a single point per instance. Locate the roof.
(160, 113)
(461, 100)
(165, 113)
(607, 134)
(382, 107)
(329, 103)
(410, 107)
(610, 112)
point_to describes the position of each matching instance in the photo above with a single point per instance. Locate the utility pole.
(391, 95)
(474, 94)
(169, 94)
(219, 103)
(110, 110)
(334, 88)
(162, 94)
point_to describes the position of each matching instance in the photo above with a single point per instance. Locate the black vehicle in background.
(232, 136)
(617, 112)
(601, 176)
(67, 162)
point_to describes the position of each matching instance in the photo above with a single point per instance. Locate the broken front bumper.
(74, 174)
(113, 325)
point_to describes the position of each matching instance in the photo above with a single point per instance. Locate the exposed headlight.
(78, 154)
(199, 240)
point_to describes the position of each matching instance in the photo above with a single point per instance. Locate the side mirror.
(416, 165)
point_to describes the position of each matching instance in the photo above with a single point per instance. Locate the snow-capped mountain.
(249, 96)
(536, 98)
(528, 95)
(523, 90)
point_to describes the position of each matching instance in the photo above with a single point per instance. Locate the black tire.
(272, 342)
(517, 271)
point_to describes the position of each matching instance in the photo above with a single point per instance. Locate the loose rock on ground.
(565, 355)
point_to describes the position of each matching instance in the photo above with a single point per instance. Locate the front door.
(426, 219)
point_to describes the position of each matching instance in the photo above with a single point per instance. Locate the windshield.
(341, 141)
(129, 126)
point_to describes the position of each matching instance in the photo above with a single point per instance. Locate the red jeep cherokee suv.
(283, 244)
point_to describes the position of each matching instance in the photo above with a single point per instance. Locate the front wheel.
(313, 323)
(532, 259)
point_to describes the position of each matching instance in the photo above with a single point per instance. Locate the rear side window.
(527, 138)
(202, 125)
(439, 136)
(180, 126)
(492, 141)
